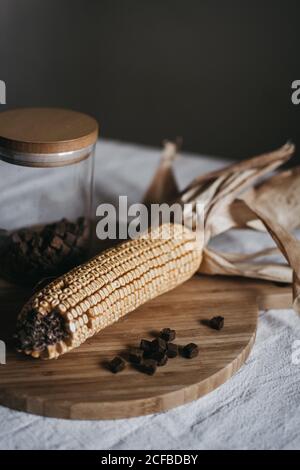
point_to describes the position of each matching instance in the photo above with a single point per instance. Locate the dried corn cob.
(92, 296)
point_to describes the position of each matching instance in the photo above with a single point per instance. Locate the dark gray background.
(216, 72)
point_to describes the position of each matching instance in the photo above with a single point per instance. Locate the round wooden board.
(78, 385)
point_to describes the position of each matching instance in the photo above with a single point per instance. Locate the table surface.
(259, 408)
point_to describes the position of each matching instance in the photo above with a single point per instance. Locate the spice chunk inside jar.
(29, 255)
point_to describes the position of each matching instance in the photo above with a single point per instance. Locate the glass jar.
(46, 186)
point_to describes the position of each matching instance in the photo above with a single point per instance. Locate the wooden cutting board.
(79, 386)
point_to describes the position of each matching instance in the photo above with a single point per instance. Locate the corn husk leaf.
(230, 200)
(163, 187)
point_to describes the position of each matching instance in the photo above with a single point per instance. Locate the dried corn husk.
(279, 199)
(288, 245)
(164, 186)
(274, 205)
(218, 190)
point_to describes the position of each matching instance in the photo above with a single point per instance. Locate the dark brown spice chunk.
(70, 238)
(158, 345)
(136, 355)
(148, 366)
(172, 350)
(145, 345)
(190, 350)
(167, 334)
(30, 254)
(156, 355)
(56, 242)
(163, 361)
(117, 365)
(216, 323)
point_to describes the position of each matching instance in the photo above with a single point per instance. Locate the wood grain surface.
(79, 386)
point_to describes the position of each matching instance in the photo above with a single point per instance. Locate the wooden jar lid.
(40, 133)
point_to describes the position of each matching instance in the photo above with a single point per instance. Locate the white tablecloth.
(259, 408)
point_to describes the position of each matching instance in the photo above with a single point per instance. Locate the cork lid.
(34, 136)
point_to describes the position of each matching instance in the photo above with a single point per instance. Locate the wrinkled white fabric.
(259, 408)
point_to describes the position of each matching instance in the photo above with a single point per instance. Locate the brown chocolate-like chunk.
(56, 242)
(148, 366)
(136, 355)
(172, 350)
(31, 254)
(190, 350)
(156, 355)
(158, 345)
(163, 361)
(70, 238)
(65, 250)
(81, 242)
(216, 323)
(167, 334)
(145, 345)
(117, 365)
(60, 228)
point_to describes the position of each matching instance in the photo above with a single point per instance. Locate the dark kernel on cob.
(167, 334)
(117, 365)
(172, 350)
(145, 345)
(38, 331)
(136, 355)
(158, 345)
(190, 350)
(216, 323)
(148, 366)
